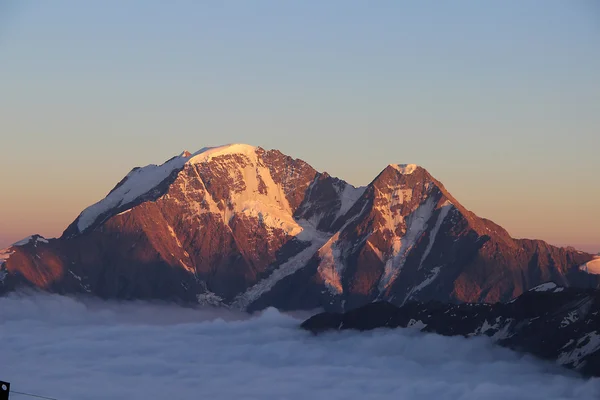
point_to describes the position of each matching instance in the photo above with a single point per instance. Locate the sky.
(73, 350)
(498, 100)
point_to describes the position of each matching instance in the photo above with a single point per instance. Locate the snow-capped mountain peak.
(139, 182)
(246, 227)
(405, 169)
(209, 153)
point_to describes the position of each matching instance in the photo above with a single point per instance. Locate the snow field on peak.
(405, 169)
(261, 198)
(271, 208)
(142, 180)
(591, 267)
(208, 153)
(137, 183)
(276, 214)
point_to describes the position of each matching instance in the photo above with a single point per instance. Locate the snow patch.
(209, 299)
(348, 196)
(426, 282)
(486, 326)
(569, 319)
(503, 332)
(173, 235)
(416, 324)
(23, 242)
(497, 330)
(84, 286)
(584, 346)
(416, 224)
(292, 265)
(405, 169)
(330, 267)
(74, 275)
(591, 267)
(270, 215)
(393, 219)
(137, 183)
(29, 239)
(545, 287)
(375, 250)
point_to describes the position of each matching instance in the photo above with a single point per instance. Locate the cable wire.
(33, 395)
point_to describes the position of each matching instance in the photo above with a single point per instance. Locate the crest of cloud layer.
(80, 349)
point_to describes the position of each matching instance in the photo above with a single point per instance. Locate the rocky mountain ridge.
(243, 227)
(551, 322)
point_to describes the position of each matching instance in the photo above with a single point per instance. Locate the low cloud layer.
(77, 350)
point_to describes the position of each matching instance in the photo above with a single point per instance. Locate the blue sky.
(498, 100)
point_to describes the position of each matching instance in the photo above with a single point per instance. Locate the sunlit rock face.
(248, 228)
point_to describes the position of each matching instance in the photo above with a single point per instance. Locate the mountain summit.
(248, 228)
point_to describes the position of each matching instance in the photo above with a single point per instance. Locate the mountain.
(548, 321)
(247, 228)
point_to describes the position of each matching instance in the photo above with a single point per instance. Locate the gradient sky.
(498, 100)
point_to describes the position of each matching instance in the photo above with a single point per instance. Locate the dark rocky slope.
(551, 322)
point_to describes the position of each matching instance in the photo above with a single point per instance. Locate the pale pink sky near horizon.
(500, 101)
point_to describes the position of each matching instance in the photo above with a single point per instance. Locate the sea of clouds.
(83, 349)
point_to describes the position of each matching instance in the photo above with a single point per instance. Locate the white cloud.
(80, 350)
